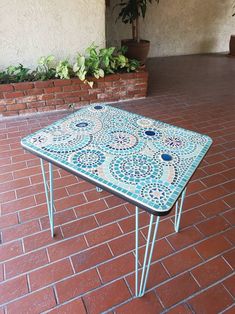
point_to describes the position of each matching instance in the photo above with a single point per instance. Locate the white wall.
(30, 29)
(177, 27)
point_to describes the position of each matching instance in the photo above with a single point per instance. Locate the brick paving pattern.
(89, 266)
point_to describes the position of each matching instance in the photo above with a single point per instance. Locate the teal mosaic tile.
(147, 162)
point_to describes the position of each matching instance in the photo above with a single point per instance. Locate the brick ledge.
(39, 96)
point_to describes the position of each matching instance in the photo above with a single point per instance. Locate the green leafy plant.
(94, 63)
(18, 73)
(45, 69)
(106, 56)
(131, 11)
(80, 69)
(64, 70)
(4, 78)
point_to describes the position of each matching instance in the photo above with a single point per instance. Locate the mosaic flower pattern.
(147, 162)
(130, 169)
(87, 159)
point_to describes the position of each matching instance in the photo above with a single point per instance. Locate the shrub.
(94, 63)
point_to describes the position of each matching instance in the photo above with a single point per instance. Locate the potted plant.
(131, 11)
(232, 41)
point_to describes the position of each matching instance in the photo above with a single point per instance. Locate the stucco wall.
(30, 29)
(177, 27)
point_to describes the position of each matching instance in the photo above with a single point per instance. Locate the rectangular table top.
(144, 161)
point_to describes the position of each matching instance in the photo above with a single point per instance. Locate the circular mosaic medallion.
(121, 142)
(157, 192)
(176, 143)
(198, 138)
(88, 159)
(166, 157)
(151, 134)
(97, 108)
(40, 139)
(118, 121)
(132, 169)
(67, 144)
(82, 125)
(144, 123)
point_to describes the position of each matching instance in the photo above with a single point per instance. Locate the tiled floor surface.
(88, 266)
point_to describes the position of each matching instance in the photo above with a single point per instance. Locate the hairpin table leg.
(140, 289)
(49, 191)
(178, 210)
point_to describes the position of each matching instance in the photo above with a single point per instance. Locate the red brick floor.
(88, 267)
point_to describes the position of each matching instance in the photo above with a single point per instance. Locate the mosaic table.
(146, 162)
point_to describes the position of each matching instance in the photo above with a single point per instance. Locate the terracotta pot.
(232, 46)
(138, 51)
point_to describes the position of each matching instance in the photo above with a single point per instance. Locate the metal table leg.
(153, 225)
(140, 290)
(178, 210)
(49, 191)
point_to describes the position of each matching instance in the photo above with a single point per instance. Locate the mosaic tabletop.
(145, 161)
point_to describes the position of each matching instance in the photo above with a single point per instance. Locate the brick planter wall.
(29, 97)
